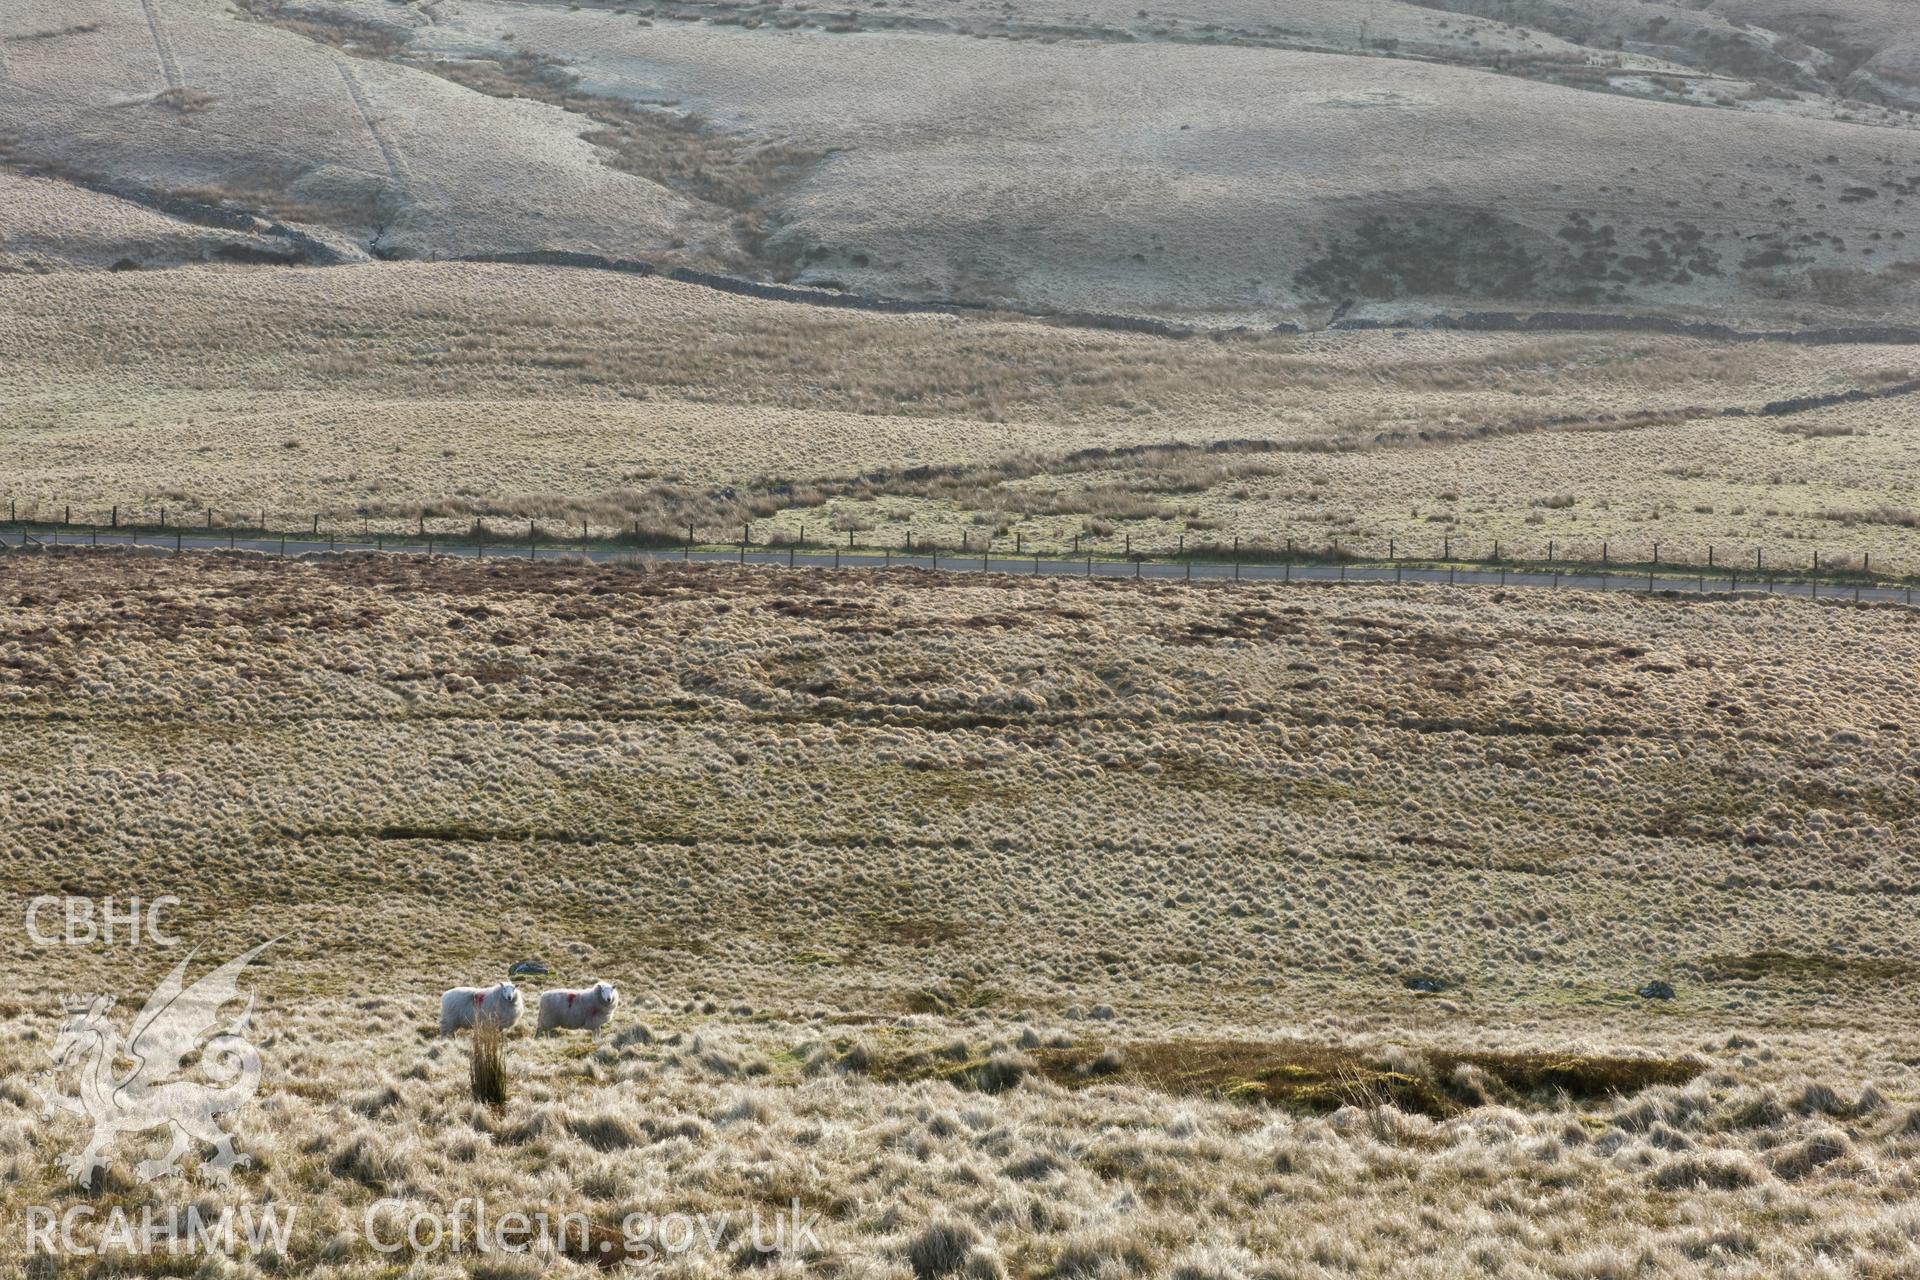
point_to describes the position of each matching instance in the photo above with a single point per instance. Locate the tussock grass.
(1156, 955)
(487, 1064)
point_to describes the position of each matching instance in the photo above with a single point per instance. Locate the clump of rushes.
(488, 1079)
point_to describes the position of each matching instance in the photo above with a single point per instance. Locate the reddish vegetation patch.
(1315, 1078)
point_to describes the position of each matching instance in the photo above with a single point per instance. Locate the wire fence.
(43, 524)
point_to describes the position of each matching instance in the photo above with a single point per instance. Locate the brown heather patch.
(1792, 968)
(1312, 1079)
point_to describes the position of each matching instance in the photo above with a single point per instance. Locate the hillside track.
(163, 46)
(396, 161)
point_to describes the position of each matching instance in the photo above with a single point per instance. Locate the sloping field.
(1012, 929)
(1869, 47)
(91, 230)
(1181, 164)
(390, 392)
(394, 390)
(1239, 181)
(178, 96)
(1594, 790)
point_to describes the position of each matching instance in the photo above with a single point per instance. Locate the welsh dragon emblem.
(135, 1084)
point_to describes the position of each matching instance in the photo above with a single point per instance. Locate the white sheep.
(573, 1010)
(466, 1006)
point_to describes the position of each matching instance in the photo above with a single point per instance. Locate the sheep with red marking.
(588, 1009)
(469, 1006)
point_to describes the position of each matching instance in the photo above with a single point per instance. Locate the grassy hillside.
(1208, 162)
(379, 395)
(1015, 929)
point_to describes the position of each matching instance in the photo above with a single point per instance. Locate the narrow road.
(1583, 579)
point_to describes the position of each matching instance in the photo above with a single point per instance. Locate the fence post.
(116, 516)
(176, 542)
(1496, 551)
(1656, 551)
(1446, 548)
(68, 519)
(163, 517)
(1604, 559)
(1866, 562)
(1390, 555)
(209, 517)
(1549, 550)
(1709, 555)
(849, 539)
(746, 534)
